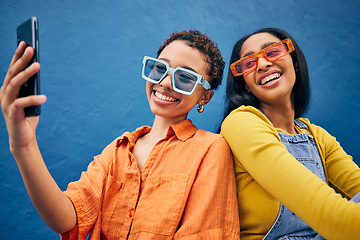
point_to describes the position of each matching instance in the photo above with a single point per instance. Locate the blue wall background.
(91, 53)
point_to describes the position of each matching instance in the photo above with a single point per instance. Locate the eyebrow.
(186, 67)
(265, 45)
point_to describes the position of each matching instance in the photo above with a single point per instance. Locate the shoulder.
(325, 141)
(246, 120)
(317, 131)
(247, 115)
(208, 138)
(248, 128)
(125, 138)
(210, 144)
(212, 148)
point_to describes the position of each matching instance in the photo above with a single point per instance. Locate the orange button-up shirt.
(186, 189)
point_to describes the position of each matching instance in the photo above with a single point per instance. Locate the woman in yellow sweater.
(294, 181)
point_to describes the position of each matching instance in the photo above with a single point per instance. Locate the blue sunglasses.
(183, 80)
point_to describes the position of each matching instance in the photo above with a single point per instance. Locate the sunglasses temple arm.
(205, 84)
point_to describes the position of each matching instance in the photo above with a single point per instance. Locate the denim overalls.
(303, 147)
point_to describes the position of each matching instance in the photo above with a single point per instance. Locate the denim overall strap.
(303, 147)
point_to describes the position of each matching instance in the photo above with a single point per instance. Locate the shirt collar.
(183, 131)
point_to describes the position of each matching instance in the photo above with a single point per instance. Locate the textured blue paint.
(91, 54)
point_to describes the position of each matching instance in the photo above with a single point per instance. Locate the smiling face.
(270, 82)
(163, 100)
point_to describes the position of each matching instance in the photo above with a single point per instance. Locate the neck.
(160, 127)
(282, 116)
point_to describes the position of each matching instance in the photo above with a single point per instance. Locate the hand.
(53, 205)
(21, 130)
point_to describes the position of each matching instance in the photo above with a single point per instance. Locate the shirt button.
(130, 214)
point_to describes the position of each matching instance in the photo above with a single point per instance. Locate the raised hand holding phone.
(19, 94)
(20, 128)
(28, 32)
(53, 206)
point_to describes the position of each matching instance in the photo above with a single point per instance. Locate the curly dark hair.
(205, 45)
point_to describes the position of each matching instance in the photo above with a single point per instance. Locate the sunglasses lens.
(271, 53)
(277, 51)
(245, 65)
(185, 81)
(154, 70)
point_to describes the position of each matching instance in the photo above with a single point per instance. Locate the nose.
(262, 63)
(167, 82)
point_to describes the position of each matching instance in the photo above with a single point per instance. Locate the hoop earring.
(200, 108)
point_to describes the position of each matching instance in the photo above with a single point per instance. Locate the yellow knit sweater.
(267, 174)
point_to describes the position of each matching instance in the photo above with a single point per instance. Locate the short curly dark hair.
(205, 45)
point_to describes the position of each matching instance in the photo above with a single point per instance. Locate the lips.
(269, 78)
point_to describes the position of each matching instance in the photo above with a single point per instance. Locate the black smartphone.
(29, 33)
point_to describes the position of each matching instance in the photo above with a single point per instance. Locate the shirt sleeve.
(211, 209)
(86, 195)
(256, 146)
(343, 173)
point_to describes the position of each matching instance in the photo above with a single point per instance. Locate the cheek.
(291, 72)
(290, 65)
(249, 79)
(148, 88)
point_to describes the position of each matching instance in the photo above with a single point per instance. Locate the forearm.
(343, 173)
(52, 204)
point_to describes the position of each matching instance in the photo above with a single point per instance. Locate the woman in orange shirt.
(168, 181)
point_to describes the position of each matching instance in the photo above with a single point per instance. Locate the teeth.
(164, 98)
(270, 78)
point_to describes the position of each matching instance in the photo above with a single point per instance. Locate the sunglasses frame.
(200, 79)
(261, 54)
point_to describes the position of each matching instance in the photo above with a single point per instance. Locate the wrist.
(24, 151)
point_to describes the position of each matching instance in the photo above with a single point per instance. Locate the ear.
(206, 97)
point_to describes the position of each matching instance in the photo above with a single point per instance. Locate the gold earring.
(200, 108)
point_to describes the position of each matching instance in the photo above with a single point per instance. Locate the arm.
(53, 206)
(87, 195)
(211, 209)
(343, 173)
(257, 147)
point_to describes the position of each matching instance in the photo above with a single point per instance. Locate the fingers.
(18, 53)
(16, 76)
(14, 111)
(20, 60)
(13, 87)
(33, 100)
